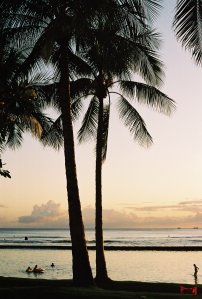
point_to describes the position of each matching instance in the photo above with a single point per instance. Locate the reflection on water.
(153, 266)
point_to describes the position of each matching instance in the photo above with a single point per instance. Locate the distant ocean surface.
(112, 237)
(20, 248)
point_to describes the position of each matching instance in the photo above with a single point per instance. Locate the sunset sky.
(156, 187)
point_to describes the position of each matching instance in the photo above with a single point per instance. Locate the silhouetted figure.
(196, 280)
(195, 270)
(26, 238)
(52, 265)
(29, 269)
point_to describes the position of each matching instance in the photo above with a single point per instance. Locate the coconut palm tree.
(21, 102)
(115, 58)
(64, 28)
(54, 27)
(188, 26)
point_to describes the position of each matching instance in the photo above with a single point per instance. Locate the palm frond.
(48, 95)
(78, 66)
(81, 87)
(3, 172)
(76, 108)
(134, 122)
(145, 57)
(149, 95)
(148, 65)
(151, 8)
(14, 137)
(89, 124)
(188, 26)
(42, 48)
(53, 136)
(42, 73)
(79, 90)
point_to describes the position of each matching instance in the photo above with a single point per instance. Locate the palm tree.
(64, 28)
(114, 59)
(21, 102)
(54, 27)
(188, 26)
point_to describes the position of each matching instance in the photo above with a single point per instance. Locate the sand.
(14, 288)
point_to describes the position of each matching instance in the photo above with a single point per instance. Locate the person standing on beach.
(195, 270)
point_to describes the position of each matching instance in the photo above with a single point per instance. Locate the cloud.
(191, 202)
(2, 206)
(46, 214)
(123, 219)
(111, 218)
(153, 208)
(192, 206)
(50, 215)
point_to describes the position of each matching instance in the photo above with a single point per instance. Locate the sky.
(142, 188)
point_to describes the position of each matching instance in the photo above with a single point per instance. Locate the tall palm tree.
(188, 26)
(115, 58)
(63, 28)
(55, 27)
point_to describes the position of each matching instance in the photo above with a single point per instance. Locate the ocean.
(20, 248)
(112, 237)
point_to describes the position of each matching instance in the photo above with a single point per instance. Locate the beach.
(137, 269)
(27, 288)
(150, 264)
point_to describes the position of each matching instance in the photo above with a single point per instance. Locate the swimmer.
(29, 269)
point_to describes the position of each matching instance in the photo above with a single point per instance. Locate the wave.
(185, 237)
(61, 241)
(113, 238)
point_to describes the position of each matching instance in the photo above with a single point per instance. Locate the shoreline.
(11, 287)
(108, 248)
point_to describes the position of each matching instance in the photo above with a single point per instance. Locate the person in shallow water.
(52, 265)
(195, 270)
(29, 269)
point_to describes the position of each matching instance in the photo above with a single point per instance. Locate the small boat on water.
(38, 270)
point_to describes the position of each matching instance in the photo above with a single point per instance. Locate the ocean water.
(112, 237)
(136, 265)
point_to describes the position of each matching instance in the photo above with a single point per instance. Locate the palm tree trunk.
(101, 269)
(82, 274)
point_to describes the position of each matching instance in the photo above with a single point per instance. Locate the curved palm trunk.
(101, 269)
(82, 274)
